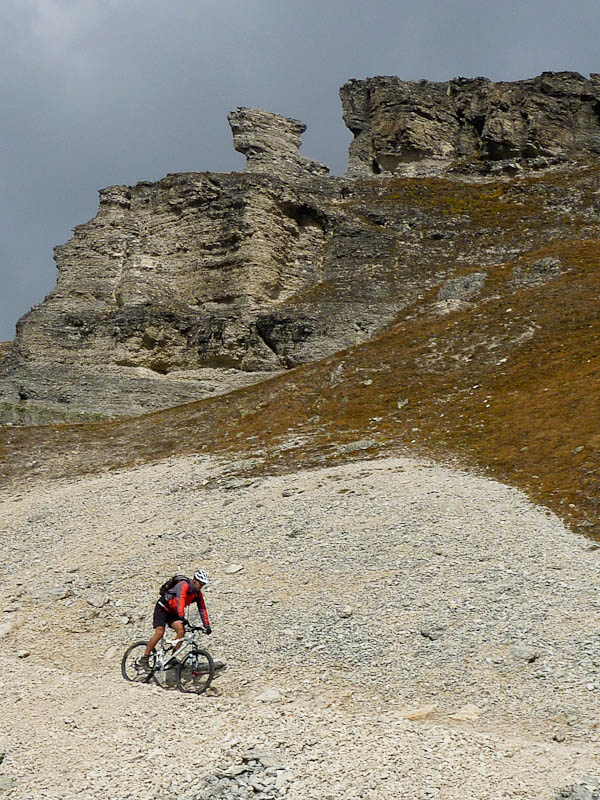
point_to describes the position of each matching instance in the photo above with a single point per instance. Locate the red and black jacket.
(182, 595)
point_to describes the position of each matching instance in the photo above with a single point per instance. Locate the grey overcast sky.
(99, 92)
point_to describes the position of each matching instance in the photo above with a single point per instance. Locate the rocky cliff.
(201, 283)
(470, 125)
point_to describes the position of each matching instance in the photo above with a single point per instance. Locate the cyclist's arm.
(202, 610)
(181, 604)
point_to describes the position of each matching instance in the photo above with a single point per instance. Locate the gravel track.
(343, 600)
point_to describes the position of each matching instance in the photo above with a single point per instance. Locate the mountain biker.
(170, 610)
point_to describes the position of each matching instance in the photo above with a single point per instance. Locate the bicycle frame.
(165, 650)
(191, 668)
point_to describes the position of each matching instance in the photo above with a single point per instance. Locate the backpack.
(168, 585)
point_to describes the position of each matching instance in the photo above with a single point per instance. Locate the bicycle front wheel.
(130, 663)
(195, 672)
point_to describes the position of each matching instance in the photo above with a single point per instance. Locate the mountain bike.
(194, 667)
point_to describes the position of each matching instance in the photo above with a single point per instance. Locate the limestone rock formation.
(271, 144)
(156, 297)
(201, 283)
(198, 284)
(418, 128)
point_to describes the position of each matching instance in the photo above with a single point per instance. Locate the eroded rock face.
(271, 144)
(199, 284)
(418, 128)
(157, 297)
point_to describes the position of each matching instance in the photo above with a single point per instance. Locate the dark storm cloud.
(96, 92)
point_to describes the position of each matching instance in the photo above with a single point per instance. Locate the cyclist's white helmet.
(201, 576)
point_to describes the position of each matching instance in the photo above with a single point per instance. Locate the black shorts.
(162, 617)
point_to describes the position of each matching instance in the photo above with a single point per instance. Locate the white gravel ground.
(366, 592)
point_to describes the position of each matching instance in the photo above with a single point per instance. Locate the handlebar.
(188, 625)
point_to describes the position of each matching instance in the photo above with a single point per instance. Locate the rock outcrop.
(271, 144)
(198, 284)
(201, 283)
(418, 128)
(157, 297)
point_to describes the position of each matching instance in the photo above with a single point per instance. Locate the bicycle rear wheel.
(195, 672)
(130, 663)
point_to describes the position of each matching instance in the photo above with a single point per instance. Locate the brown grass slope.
(507, 383)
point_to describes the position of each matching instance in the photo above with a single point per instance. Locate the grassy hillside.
(507, 382)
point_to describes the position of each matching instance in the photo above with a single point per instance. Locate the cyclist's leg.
(159, 622)
(177, 626)
(156, 637)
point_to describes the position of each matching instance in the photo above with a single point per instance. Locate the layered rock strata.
(418, 128)
(195, 285)
(157, 297)
(271, 144)
(201, 283)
